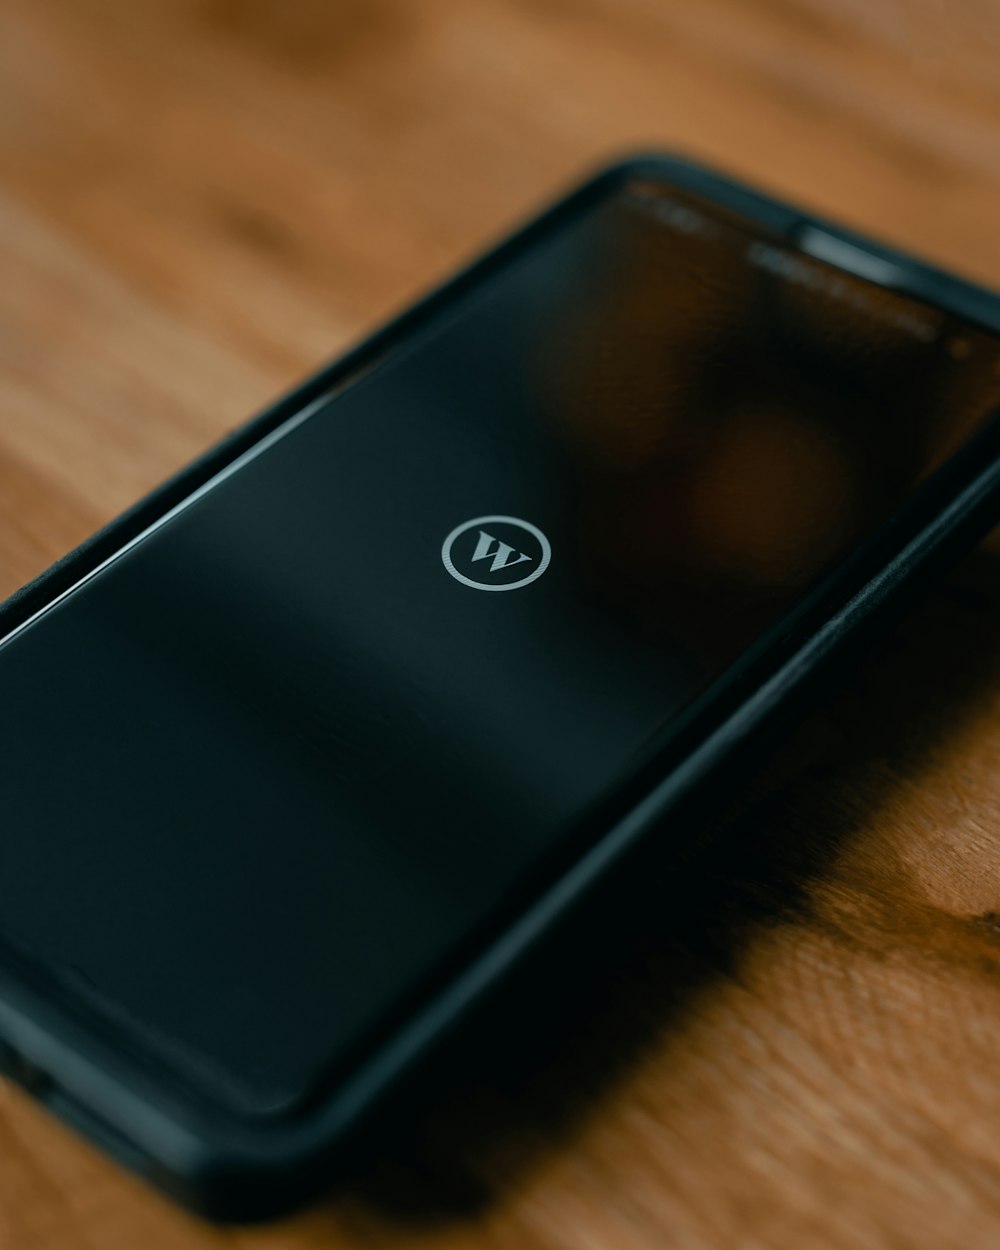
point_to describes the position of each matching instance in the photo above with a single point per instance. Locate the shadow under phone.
(552, 1048)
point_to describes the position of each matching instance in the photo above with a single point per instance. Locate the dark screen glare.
(740, 414)
(274, 769)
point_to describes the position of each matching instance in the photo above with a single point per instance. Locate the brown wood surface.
(202, 199)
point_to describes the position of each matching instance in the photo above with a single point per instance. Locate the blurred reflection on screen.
(739, 414)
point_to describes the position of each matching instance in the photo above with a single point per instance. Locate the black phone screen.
(269, 769)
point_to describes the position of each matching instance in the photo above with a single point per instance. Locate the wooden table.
(202, 199)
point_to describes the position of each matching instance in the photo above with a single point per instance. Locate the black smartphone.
(311, 748)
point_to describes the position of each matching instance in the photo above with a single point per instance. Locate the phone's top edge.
(913, 275)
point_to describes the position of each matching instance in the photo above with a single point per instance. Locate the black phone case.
(239, 1170)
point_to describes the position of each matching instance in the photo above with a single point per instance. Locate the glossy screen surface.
(269, 770)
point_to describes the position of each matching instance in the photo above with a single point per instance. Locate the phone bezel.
(224, 1165)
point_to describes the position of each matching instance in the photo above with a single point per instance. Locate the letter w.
(502, 554)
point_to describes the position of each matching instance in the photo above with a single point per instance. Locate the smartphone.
(306, 753)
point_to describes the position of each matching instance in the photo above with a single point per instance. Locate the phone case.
(232, 1170)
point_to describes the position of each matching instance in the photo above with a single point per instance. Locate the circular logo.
(496, 553)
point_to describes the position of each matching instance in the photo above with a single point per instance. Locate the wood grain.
(202, 199)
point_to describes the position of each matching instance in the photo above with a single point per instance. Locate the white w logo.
(495, 556)
(501, 555)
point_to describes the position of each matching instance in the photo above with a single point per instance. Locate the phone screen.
(272, 767)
